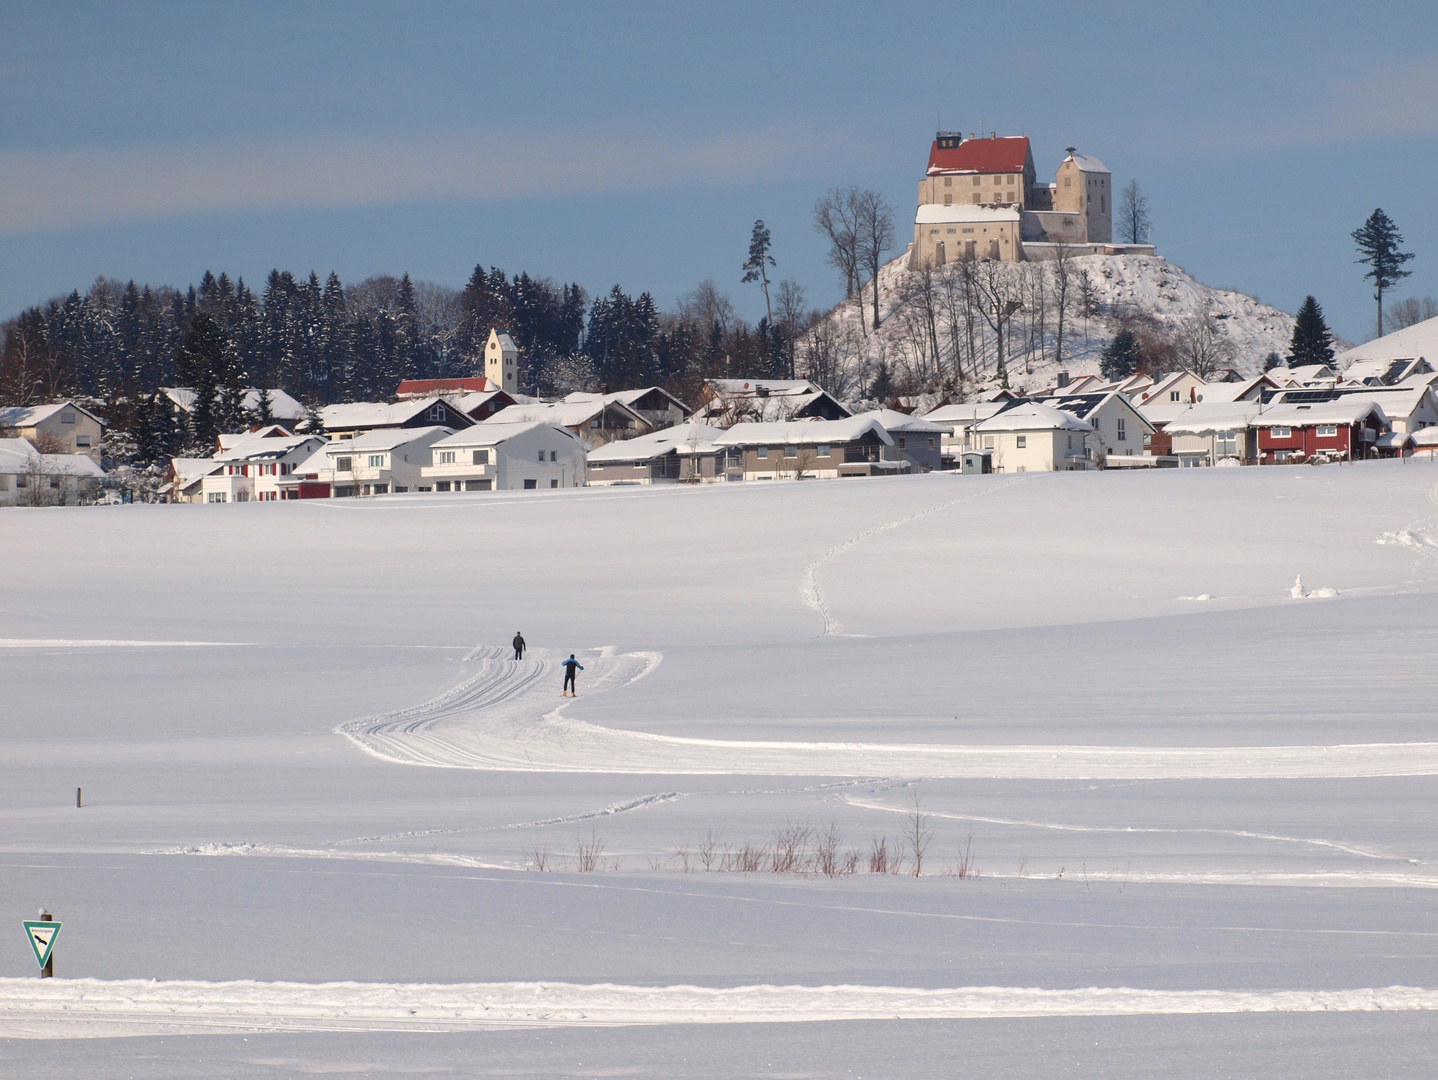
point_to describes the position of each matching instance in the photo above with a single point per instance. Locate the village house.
(506, 455)
(349, 420)
(30, 478)
(917, 440)
(251, 467)
(685, 453)
(1214, 433)
(1119, 429)
(593, 417)
(58, 428)
(655, 404)
(476, 397)
(1034, 437)
(807, 449)
(1386, 372)
(725, 402)
(380, 462)
(184, 478)
(1412, 345)
(960, 421)
(1344, 428)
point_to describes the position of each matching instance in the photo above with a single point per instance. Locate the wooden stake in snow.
(77, 799)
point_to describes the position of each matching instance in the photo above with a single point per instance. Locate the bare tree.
(1408, 312)
(1133, 219)
(1203, 348)
(836, 217)
(1088, 298)
(1063, 289)
(875, 228)
(791, 314)
(998, 299)
(918, 833)
(706, 306)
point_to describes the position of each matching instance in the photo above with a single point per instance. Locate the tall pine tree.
(1378, 240)
(1312, 342)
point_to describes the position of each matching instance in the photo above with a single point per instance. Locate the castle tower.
(501, 362)
(1084, 186)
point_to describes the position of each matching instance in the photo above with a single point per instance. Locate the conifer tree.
(756, 266)
(1378, 240)
(1120, 356)
(1312, 342)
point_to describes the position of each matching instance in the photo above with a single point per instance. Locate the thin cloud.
(68, 188)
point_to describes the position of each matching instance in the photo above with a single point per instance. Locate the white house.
(30, 478)
(382, 462)
(184, 477)
(60, 427)
(685, 452)
(1119, 428)
(596, 418)
(251, 466)
(1034, 437)
(502, 456)
(960, 420)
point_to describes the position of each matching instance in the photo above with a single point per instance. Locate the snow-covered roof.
(191, 470)
(1206, 417)
(1033, 416)
(687, 438)
(803, 432)
(374, 414)
(18, 456)
(1087, 163)
(21, 416)
(1304, 375)
(565, 413)
(1427, 437)
(493, 432)
(963, 213)
(1234, 391)
(282, 406)
(1420, 339)
(1348, 409)
(1084, 406)
(965, 414)
(1387, 372)
(893, 420)
(256, 446)
(383, 439)
(628, 397)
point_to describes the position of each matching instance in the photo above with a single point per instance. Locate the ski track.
(1334, 845)
(95, 1008)
(497, 720)
(809, 590)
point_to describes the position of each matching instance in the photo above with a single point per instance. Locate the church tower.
(501, 362)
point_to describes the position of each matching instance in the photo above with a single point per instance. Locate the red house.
(1347, 428)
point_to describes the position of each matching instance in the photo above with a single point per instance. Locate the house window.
(441, 485)
(342, 464)
(822, 450)
(1225, 443)
(434, 412)
(1327, 431)
(376, 461)
(554, 455)
(1173, 395)
(479, 485)
(381, 489)
(1281, 432)
(791, 451)
(988, 442)
(761, 451)
(1122, 435)
(1021, 441)
(901, 442)
(82, 440)
(931, 444)
(554, 483)
(67, 418)
(446, 457)
(541, 455)
(217, 497)
(481, 457)
(530, 485)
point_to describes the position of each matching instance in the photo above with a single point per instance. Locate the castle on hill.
(980, 199)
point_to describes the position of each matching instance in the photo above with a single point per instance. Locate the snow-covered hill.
(1145, 292)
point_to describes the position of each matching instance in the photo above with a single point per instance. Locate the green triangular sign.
(42, 937)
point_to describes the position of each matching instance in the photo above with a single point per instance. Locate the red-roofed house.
(422, 388)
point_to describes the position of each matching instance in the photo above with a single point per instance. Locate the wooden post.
(48, 971)
(77, 799)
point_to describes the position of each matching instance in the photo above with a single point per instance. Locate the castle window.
(951, 231)
(1068, 181)
(978, 198)
(948, 200)
(948, 181)
(976, 181)
(1011, 179)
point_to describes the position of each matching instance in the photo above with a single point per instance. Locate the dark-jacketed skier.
(519, 645)
(570, 666)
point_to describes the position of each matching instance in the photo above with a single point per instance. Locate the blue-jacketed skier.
(518, 645)
(570, 666)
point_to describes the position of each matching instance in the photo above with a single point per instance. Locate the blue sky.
(637, 143)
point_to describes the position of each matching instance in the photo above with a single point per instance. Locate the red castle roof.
(413, 388)
(1005, 155)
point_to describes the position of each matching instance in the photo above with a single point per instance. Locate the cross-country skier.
(518, 645)
(569, 667)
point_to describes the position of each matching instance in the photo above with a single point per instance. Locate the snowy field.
(1182, 802)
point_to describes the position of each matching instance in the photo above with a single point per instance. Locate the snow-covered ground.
(1177, 810)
